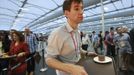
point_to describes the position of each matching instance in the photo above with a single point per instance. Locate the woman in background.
(21, 50)
(5, 48)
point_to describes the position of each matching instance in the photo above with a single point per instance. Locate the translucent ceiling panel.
(43, 3)
(59, 2)
(60, 20)
(30, 16)
(19, 24)
(34, 9)
(132, 2)
(7, 12)
(87, 13)
(119, 5)
(90, 12)
(4, 27)
(126, 3)
(109, 7)
(5, 20)
(96, 10)
(11, 4)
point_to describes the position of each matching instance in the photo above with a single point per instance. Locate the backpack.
(128, 59)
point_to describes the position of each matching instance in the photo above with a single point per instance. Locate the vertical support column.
(102, 21)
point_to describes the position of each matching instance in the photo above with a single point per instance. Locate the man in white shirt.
(64, 43)
(85, 41)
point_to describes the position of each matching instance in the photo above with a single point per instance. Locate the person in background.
(5, 48)
(81, 35)
(11, 34)
(31, 40)
(85, 41)
(95, 41)
(100, 42)
(0, 52)
(6, 42)
(131, 62)
(21, 50)
(125, 29)
(110, 43)
(132, 38)
(64, 43)
(105, 43)
(123, 47)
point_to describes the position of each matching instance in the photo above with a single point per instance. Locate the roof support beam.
(124, 13)
(19, 12)
(60, 13)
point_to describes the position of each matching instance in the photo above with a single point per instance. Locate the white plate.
(107, 60)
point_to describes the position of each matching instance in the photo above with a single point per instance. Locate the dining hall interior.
(107, 29)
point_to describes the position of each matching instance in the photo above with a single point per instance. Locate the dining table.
(94, 68)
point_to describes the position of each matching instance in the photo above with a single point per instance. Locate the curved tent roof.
(45, 15)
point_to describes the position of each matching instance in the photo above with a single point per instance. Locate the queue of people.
(22, 46)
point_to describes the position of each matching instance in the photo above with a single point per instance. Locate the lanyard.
(75, 43)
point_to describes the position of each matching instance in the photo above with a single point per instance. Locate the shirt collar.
(69, 28)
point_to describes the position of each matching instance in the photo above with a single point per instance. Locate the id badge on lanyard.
(76, 45)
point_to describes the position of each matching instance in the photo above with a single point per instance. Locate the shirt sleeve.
(54, 45)
(35, 42)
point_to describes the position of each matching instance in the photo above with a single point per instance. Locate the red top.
(15, 50)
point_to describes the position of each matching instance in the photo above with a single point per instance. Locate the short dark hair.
(93, 32)
(111, 28)
(67, 4)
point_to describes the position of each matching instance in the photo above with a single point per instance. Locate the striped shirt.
(32, 42)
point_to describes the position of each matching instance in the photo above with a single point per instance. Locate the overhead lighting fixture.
(106, 9)
(115, 19)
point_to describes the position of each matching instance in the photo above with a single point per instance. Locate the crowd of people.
(66, 45)
(23, 45)
(116, 43)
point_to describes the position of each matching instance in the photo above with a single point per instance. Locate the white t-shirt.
(85, 39)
